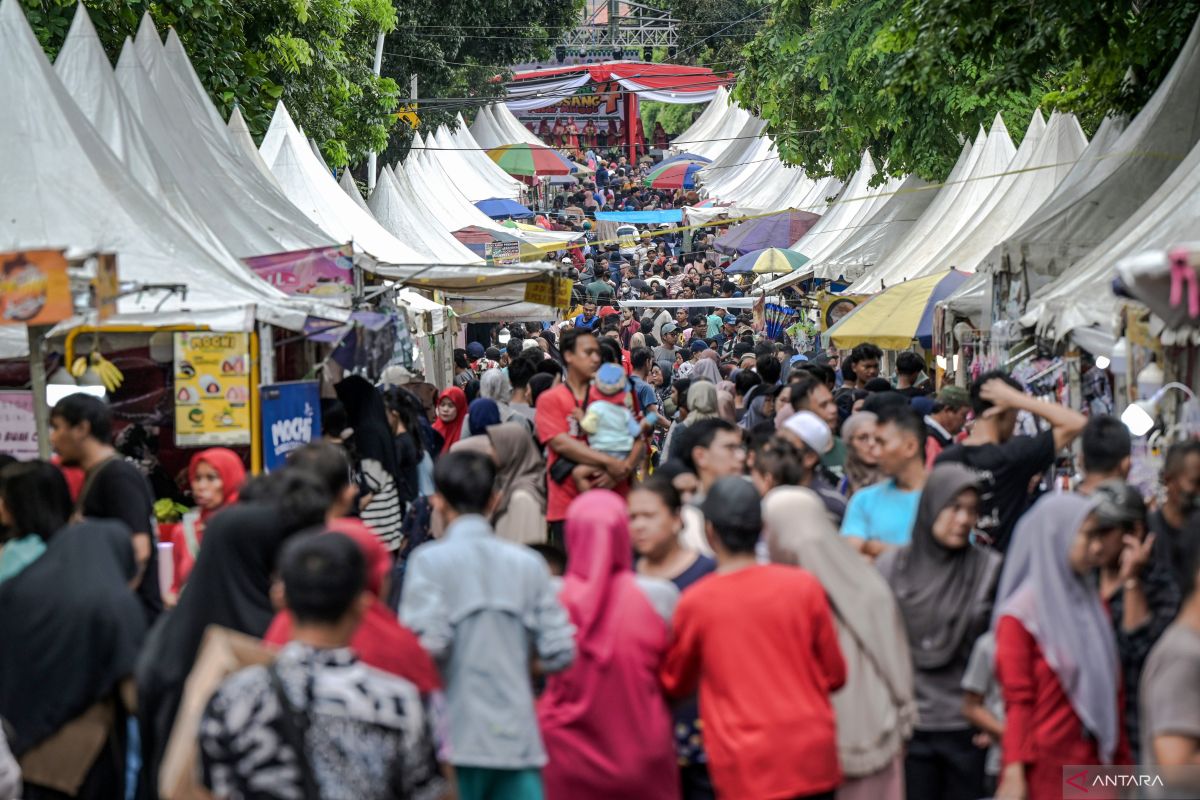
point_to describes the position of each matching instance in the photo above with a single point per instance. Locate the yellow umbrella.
(898, 315)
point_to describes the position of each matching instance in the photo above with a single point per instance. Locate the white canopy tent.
(424, 233)
(249, 215)
(65, 188)
(245, 149)
(314, 191)
(709, 118)
(474, 183)
(1114, 182)
(1082, 297)
(351, 189)
(484, 129)
(710, 139)
(902, 202)
(968, 189)
(510, 128)
(473, 153)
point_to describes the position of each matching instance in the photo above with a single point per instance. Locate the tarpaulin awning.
(898, 315)
(642, 217)
(502, 207)
(772, 230)
(663, 83)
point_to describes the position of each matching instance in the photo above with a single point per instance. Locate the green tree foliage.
(461, 49)
(913, 79)
(315, 55)
(675, 117)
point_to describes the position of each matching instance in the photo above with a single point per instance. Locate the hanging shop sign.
(834, 307)
(18, 429)
(34, 288)
(318, 272)
(212, 389)
(291, 418)
(502, 254)
(554, 292)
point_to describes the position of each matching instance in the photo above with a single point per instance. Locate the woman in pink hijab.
(604, 720)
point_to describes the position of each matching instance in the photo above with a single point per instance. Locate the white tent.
(704, 124)
(966, 191)
(246, 150)
(1082, 296)
(484, 129)
(64, 187)
(473, 153)
(902, 202)
(1044, 160)
(511, 128)
(249, 214)
(1073, 222)
(734, 153)
(351, 189)
(314, 191)
(474, 183)
(84, 70)
(425, 234)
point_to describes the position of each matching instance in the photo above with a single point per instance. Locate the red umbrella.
(676, 175)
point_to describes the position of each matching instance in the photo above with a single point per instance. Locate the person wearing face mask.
(943, 586)
(215, 476)
(1056, 654)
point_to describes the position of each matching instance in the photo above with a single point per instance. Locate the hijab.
(706, 369)
(372, 438)
(482, 414)
(519, 464)
(380, 640)
(553, 342)
(71, 630)
(495, 385)
(228, 465)
(600, 573)
(876, 709)
(1063, 612)
(941, 591)
(725, 404)
(701, 401)
(451, 431)
(667, 367)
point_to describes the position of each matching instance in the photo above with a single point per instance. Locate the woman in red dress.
(1056, 654)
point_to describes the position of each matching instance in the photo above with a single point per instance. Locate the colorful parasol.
(677, 175)
(698, 159)
(767, 261)
(530, 160)
(898, 315)
(778, 229)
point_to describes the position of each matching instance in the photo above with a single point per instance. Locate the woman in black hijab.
(69, 634)
(373, 452)
(229, 586)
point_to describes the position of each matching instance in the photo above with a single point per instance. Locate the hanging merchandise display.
(212, 389)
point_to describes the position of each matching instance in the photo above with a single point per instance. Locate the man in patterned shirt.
(319, 723)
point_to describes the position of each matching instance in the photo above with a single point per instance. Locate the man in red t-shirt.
(559, 411)
(758, 641)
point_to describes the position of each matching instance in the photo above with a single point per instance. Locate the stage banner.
(291, 418)
(212, 389)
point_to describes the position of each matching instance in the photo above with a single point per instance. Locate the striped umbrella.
(898, 315)
(766, 261)
(531, 160)
(676, 175)
(699, 159)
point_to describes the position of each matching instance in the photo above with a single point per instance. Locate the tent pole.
(37, 375)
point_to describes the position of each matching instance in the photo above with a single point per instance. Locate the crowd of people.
(618, 557)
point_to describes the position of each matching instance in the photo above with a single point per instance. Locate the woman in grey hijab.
(943, 585)
(1049, 614)
(706, 369)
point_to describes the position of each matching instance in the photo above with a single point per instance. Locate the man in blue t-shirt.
(882, 515)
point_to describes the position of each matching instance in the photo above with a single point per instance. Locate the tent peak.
(81, 25)
(147, 30)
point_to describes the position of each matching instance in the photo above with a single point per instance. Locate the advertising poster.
(291, 418)
(18, 430)
(212, 389)
(834, 307)
(34, 288)
(502, 254)
(319, 272)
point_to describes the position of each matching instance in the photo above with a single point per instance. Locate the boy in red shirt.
(759, 642)
(559, 411)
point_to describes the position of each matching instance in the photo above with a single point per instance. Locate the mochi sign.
(291, 418)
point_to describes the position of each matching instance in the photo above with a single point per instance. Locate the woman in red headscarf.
(604, 721)
(215, 476)
(451, 413)
(381, 641)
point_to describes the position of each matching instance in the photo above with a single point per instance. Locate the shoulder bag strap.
(294, 724)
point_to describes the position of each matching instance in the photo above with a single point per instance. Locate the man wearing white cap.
(812, 437)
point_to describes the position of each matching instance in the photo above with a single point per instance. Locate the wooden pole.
(37, 375)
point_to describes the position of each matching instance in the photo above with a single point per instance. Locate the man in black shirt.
(80, 432)
(1007, 464)
(1173, 546)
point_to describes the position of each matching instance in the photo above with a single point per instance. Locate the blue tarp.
(642, 217)
(503, 208)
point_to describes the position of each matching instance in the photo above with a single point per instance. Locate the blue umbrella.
(684, 157)
(503, 208)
